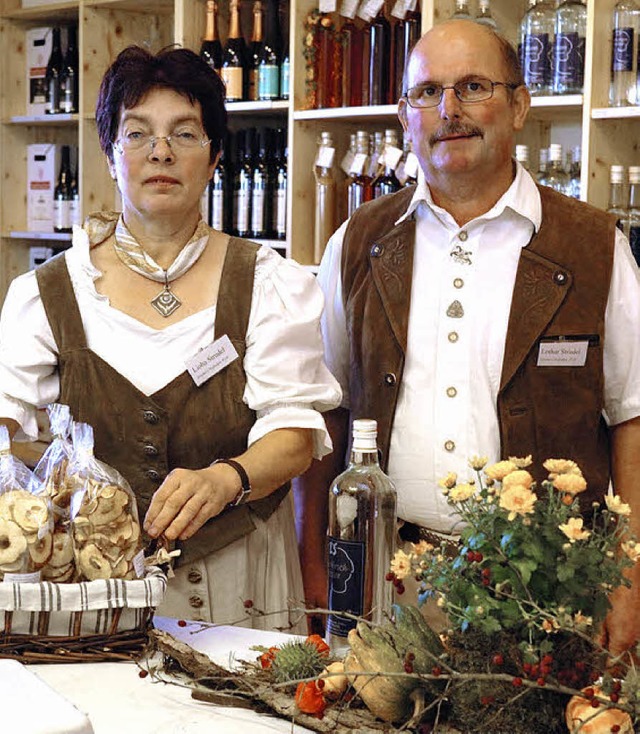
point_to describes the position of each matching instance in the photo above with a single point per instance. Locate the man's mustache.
(454, 128)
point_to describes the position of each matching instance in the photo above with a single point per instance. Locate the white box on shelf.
(38, 255)
(38, 43)
(42, 167)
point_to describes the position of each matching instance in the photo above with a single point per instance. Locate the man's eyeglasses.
(468, 91)
(135, 141)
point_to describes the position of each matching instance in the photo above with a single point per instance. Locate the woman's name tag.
(210, 360)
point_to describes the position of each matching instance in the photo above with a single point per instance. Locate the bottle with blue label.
(270, 55)
(537, 38)
(623, 54)
(361, 539)
(568, 57)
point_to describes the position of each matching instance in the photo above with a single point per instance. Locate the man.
(444, 303)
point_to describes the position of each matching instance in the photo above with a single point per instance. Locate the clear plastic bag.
(104, 516)
(26, 541)
(51, 473)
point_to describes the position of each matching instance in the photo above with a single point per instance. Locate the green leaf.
(565, 572)
(525, 567)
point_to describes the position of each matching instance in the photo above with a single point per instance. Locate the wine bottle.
(359, 189)
(617, 201)
(388, 183)
(211, 48)
(537, 32)
(52, 76)
(255, 50)
(75, 215)
(633, 215)
(242, 182)
(352, 40)
(379, 45)
(221, 207)
(270, 54)
(234, 70)
(261, 189)
(279, 206)
(325, 209)
(69, 74)
(361, 539)
(623, 82)
(62, 194)
(568, 57)
(285, 73)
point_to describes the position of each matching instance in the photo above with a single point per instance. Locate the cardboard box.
(43, 162)
(38, 255)
(38, 49)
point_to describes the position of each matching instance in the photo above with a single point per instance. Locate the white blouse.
(288, 383)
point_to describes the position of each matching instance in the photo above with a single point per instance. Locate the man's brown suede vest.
(560, 292)
(181, 425)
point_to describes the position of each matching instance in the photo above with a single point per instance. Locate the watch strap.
(245, 489)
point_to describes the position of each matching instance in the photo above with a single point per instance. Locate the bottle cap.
(365, 433)
(634, 174)
(555, 152)
(522, 153)
(616, 174)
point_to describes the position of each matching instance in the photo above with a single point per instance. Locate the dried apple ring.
(40, 550)
(12, 542)
(93, 565)
(30, 512)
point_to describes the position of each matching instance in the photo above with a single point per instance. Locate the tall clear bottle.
(617, 199)
(543, 166)
(624, 54)
(633, 216)
(211, 47)
(387, 182)
(575, 172)
(360, 189)
(462, 11)
(484, 14)
(557, 177)
(361, 539)
(522, 156)
(537, 34)
(568, 57)
(326, 200)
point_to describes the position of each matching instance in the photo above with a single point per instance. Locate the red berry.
(143, 673)
(593, 676)
(541, 681)
(486, 581)
(486, 572)
(615, 728)
(547, 660)
(617, 686)
(400, 588)
(477, 557)
(390, 576)
(615, 697)
(182, 623)
(545, 669)
(581, 666)
(471, 556)
(436, 670)
(320, 684)
(589, 692)
(498, 659)
(527, 668)
(411, 656)
(595, 703)
(248, 603)
(535, 670)
(408, 668)
(517, 682)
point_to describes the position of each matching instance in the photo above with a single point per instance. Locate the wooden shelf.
(380, 112)
(39, 236)
(44, 120)
(615, 113)
(159, 6)
(50, 12)
(266, 106)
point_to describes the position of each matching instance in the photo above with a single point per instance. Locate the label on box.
(38, 50)
(42, 161)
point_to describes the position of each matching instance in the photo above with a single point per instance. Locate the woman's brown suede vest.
(181, 425)
(561, 291)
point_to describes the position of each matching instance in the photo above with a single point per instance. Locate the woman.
(109, 327)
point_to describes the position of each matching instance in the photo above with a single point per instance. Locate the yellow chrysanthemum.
(401, 564)
(632, 549)
(573, 529)
(422, 547)
(478, 463)
(570, 483)
(522, 462)
(500, 470)
(615, 504)
(461, 492)
(520, 476)
(517, 500)
(562, 466)
(449, 481)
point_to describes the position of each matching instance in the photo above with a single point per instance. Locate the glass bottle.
(69, 74)
(75, 216)
(325, 209)
(52, 76)
(361, 539)
(484, 14)
(537, 33)
(543, 165)
(411, 165)
(359, 189)
(379, 48)
(411, 30)
(352, 40)
(62, 194)
(260, 189)
(211, 48)
(568, 57)
(242, 182)
(522, 156)
(285, 73)
(575, 172)
(462, 11)
(557, 177)
(633, 217)
(234, 70)
(270, 54)
(387, 182)
(376, 144)
(617, 200)
(221, 180)
(254, 51)
(623, 51)
(396, 52)
(279, 206)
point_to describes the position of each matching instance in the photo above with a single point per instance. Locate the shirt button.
(194, 576)
(196, 602)
(153, 475)
(451, 392)
(458, 283)
(453, 336)
(390, 379)
(150, 417)
(150, 450)
(463, 236)
(449, 446)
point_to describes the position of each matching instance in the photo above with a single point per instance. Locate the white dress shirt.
(287, 380)
(446, 410)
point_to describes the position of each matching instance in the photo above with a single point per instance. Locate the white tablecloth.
(118, 701)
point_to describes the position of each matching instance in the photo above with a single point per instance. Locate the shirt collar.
(522, 197)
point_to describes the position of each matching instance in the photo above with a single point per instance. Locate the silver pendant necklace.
(166, 302)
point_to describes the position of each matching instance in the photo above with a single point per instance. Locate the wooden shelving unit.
(106, 26)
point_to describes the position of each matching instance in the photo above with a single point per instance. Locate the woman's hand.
(187, 499)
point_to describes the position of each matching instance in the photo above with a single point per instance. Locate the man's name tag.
(210, 360)
(563, 353)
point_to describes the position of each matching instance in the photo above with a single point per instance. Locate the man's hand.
(187, 499)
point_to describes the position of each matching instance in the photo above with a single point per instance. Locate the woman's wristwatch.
(245, 489)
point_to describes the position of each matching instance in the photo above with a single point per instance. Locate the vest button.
(150, 417)
(560, 277)
(376, 250)
(449, 446)
(453, 337)
(194, 576)
(463, 236)
(153, 475)
(196, 602)
(150, 450)
(451, 392)
(390, 379)
(458, 283)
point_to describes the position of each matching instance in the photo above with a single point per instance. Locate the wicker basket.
(85, 622)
